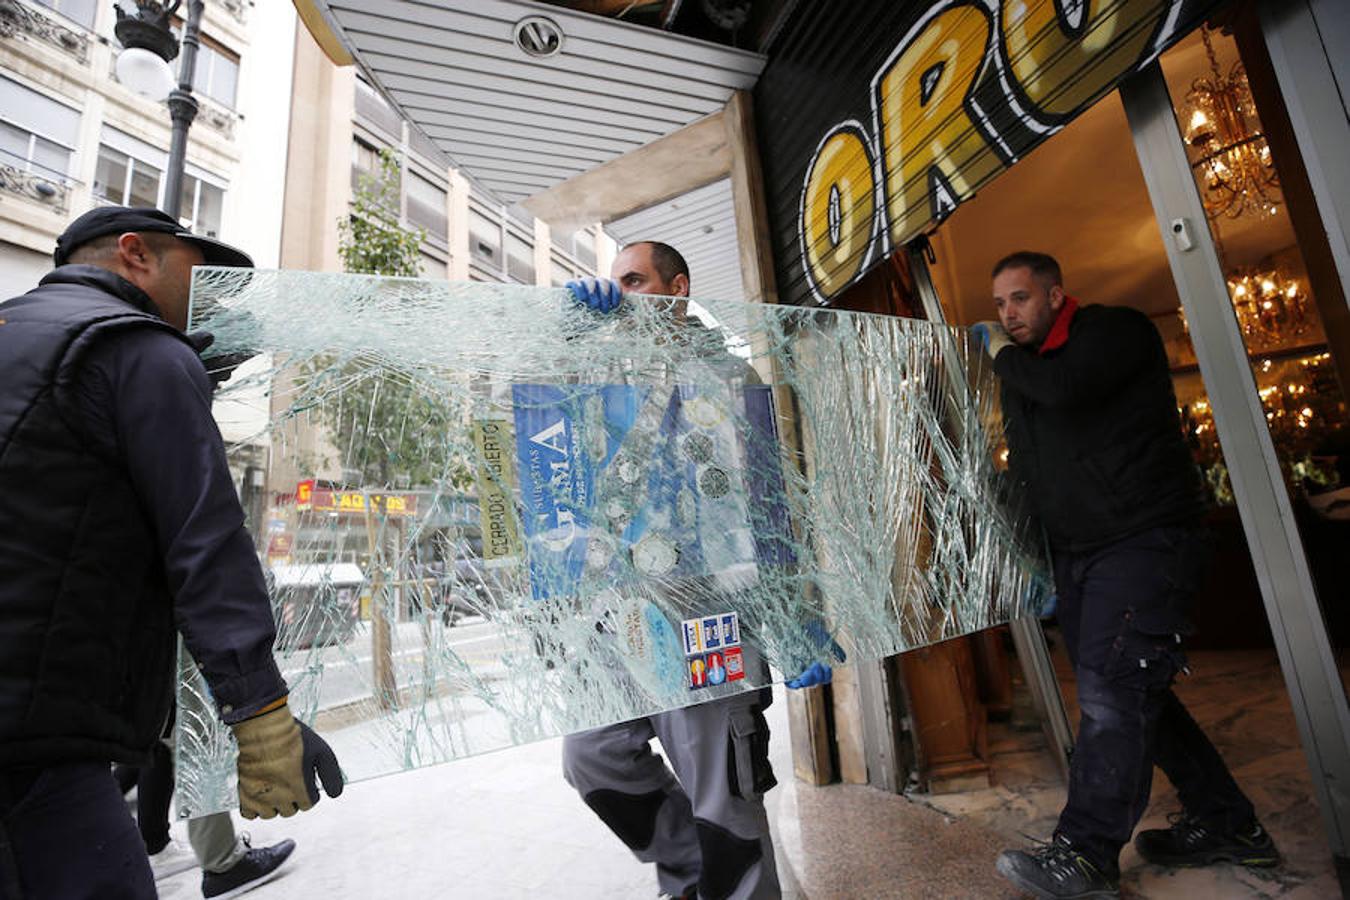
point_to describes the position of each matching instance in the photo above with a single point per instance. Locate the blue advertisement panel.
(620, 482)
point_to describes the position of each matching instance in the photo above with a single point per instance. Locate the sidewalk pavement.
(505, 825)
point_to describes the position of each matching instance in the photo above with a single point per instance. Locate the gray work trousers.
(705, 823)
(214, 843)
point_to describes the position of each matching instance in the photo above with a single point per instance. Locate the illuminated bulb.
(1268, 286)
(1199, 119)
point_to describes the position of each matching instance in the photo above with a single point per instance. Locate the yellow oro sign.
(971, 87)
(496, 443)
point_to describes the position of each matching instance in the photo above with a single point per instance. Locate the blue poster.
(620, 482)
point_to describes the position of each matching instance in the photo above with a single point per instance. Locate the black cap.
(120, 219)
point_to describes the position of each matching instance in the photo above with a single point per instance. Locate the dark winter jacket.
(118, 523)
(1093, 431)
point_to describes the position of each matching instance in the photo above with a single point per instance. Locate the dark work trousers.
(154, 791)
(66, 834)
(705, 823)
(1124, 610)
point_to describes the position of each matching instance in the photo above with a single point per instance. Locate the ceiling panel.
(453, 68)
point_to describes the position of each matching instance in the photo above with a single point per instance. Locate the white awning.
(520, 124)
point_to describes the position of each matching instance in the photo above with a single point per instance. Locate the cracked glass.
(490, 516)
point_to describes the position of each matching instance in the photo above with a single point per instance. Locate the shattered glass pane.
(490, 516)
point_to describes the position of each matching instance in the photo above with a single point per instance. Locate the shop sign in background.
(877, 119)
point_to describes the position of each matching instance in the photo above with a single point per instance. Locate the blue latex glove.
(1049, 606)
(818, 672)
(1049, 598)
(992, 336)
(601, 295)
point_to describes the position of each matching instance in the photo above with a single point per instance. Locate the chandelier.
(1231, 155)
(1272, 308)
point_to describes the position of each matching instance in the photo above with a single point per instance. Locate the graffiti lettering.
(1063, 54)
(838, 208)
(932, 152)
(972, 86)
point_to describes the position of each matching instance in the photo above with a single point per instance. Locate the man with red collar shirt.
(1093, 432)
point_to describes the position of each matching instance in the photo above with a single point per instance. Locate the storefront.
(888, 153)
(1155, 149)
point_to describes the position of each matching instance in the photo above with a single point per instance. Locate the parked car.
(315, 603)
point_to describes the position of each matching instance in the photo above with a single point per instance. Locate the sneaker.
(254, 869)
(1189, 843)
(1056, 871)
(172, 858)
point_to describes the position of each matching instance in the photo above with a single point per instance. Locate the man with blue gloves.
(1093, 432)
(703, 825)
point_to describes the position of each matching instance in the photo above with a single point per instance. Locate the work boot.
(1190, 843)
(254, 869)
(1056, 871)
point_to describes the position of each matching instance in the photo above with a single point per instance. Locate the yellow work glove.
(278, 758)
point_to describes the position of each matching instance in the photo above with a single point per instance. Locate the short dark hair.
(103, 249)
(1042, 265)
(666, 259)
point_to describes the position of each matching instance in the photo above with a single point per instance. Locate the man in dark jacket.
(1093, 432)
(120, 526)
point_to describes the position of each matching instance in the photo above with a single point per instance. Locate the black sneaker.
(1190, 843)
(1057, 871)
(254, 869)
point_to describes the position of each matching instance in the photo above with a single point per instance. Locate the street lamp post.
(143, 65)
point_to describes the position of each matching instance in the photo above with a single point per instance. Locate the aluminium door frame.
(1308, 42)
(1296, 620)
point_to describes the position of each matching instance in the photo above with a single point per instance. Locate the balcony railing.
(51, 190)
(20, 21)
(217, 117)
